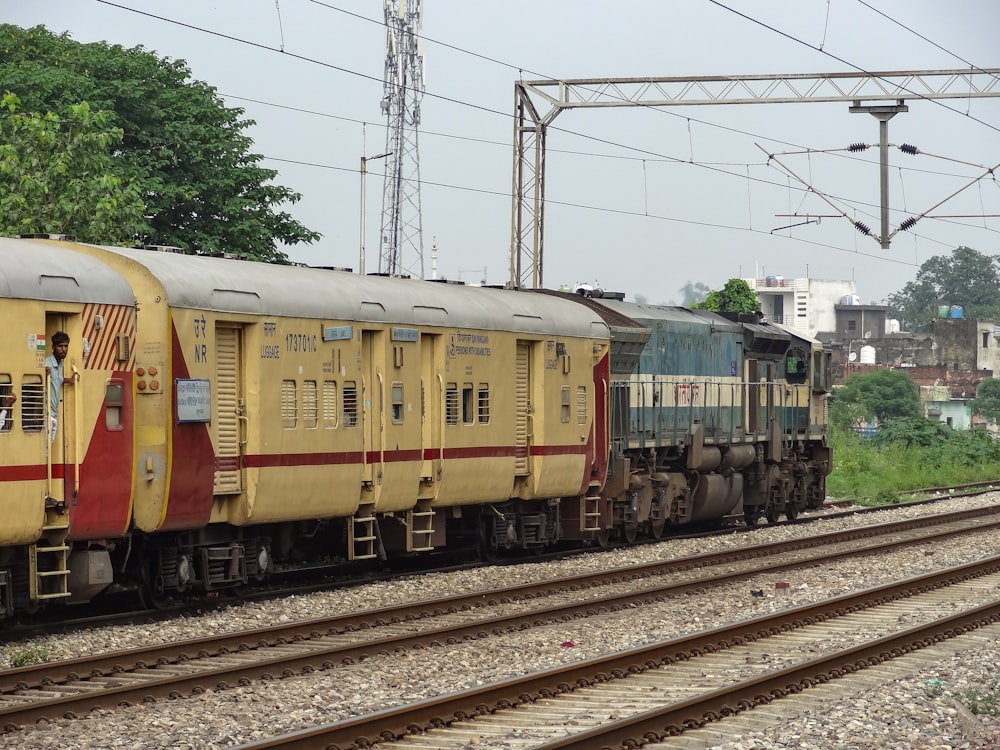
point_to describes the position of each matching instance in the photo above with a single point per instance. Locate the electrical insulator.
(862, 228)
(907, 223)
(906, 148)
(855, 147)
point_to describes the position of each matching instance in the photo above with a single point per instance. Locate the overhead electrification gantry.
(538, 103)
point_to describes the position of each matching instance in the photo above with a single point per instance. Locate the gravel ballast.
(948, 706)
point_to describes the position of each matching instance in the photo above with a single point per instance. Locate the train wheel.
(656, 528)
(751, 516)
(771, 513)
(631, 531)
(792, 511)
(603, 538)
(489, 550)
(153, 595)
(152, 591)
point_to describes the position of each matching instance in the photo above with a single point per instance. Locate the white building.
(806, 305)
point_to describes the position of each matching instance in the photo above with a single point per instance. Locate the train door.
(63, 453)
(431, 411)
(752, 399)
(229, 417)
(522, 409)
(372, 407)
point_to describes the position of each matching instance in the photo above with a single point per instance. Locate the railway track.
(291, 582)
(72, 688)
(647, 695)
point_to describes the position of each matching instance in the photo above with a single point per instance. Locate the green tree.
(59, 176)
(966, 277)
(878, 396)
(204, 189)
(735, 297)
(987, 401)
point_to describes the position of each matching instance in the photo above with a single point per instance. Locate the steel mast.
(402, 245)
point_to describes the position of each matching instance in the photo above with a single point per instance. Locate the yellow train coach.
(66, 448)
(286, 413)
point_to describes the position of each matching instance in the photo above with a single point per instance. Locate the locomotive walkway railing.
(667, 412)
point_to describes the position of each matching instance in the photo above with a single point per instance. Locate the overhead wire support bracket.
(861, 227)
(537, 103)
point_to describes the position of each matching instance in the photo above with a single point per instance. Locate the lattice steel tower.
(402, 247)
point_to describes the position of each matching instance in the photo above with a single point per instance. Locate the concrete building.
(806, 305)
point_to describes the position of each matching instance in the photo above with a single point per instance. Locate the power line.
(921, 36)
(858, 68)
(644, 152)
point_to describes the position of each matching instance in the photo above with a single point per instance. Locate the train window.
(451, 403)
(32, 403)
(329, 404)
(397, 403)
(796, 366)
(565, 404)
(6, 413)
(484, 403)
(113, 404)
(289, 404)
(310, 405)
(468, 405)
(350, 394)
(581, 404)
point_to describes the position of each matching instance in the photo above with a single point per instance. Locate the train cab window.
(484, 403)
(564, 411)
(6, 413)
(822, 371)
(581, 404)
(113, 403)
(451, 403)
(310, 405)
(796, 366)
(468, 404)
(289, 404)
(350, 399)
(32, 403)
(397, 403)
(329, 404)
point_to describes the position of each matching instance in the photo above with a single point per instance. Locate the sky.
(639, 200)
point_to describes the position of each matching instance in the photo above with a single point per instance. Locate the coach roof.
(36, 270)
(237, 286)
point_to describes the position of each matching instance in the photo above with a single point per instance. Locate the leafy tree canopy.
(204, 190)
(736, 296)
(60, 176)
(966, 277)
(987, 401)
(878, 396)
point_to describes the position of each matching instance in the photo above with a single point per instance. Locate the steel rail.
(391, 724)
(219, 662)
(117, 662)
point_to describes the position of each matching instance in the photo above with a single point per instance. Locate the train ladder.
(420, 522)
(590, 509)
(362, 534)
(49, 562)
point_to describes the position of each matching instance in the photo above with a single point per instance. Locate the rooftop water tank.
(867, 355)
(850, 299)
(957, 311)
(892, 326)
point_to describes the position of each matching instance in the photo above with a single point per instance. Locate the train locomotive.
(223, 419)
